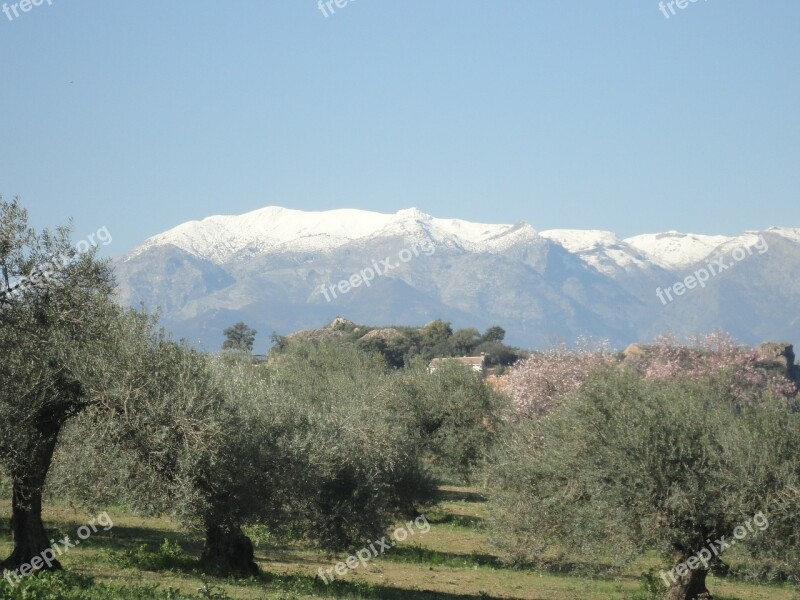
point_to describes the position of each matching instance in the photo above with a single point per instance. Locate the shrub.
(169, 557)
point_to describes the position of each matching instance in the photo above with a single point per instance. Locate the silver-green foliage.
(627, 465)
(454, 414)
(309, 445)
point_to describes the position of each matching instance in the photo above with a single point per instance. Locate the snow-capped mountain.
(279, 269)
(674, 250)
(273, 230)
(601, 250)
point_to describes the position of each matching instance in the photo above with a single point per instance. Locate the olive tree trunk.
(228, 550)
(27, 530)
(691, 586)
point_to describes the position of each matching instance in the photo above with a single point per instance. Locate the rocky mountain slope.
(282, 270)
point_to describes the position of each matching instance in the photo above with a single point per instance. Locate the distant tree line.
(401, 346)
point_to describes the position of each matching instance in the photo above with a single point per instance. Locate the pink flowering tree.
(715, 354)
(539, 382)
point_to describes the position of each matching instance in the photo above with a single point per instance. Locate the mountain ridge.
(269, 266)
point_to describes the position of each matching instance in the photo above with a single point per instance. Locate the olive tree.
(363, 463)
(70, 351)
(307, 445)
(181, 446)
(628, 464)
(454, 413)
(55, 319)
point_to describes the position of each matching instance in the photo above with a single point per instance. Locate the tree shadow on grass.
(417, 554)
(468, 521)
(273, 555)
(304, 584)
(126, 538)
(459, 496)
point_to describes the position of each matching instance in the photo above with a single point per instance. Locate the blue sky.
(141, 115)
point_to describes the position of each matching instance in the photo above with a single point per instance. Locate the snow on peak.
(274, 229)
(581, 240)
(603, 250)
(482, 236)
(675, 250)
(220, 238)
(412, 213)
(789, 233)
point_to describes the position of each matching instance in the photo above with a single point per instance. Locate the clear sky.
(141, 115)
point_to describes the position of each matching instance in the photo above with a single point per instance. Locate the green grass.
(152, 558)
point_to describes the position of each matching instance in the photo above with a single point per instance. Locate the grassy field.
(453, 560)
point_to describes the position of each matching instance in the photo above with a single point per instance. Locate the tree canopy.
(626, 463)
(239, 337)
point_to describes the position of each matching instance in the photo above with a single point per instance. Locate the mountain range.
(282, 270)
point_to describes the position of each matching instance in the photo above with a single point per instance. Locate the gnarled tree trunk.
(228, 550)
(27, 530)
(691, 586)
